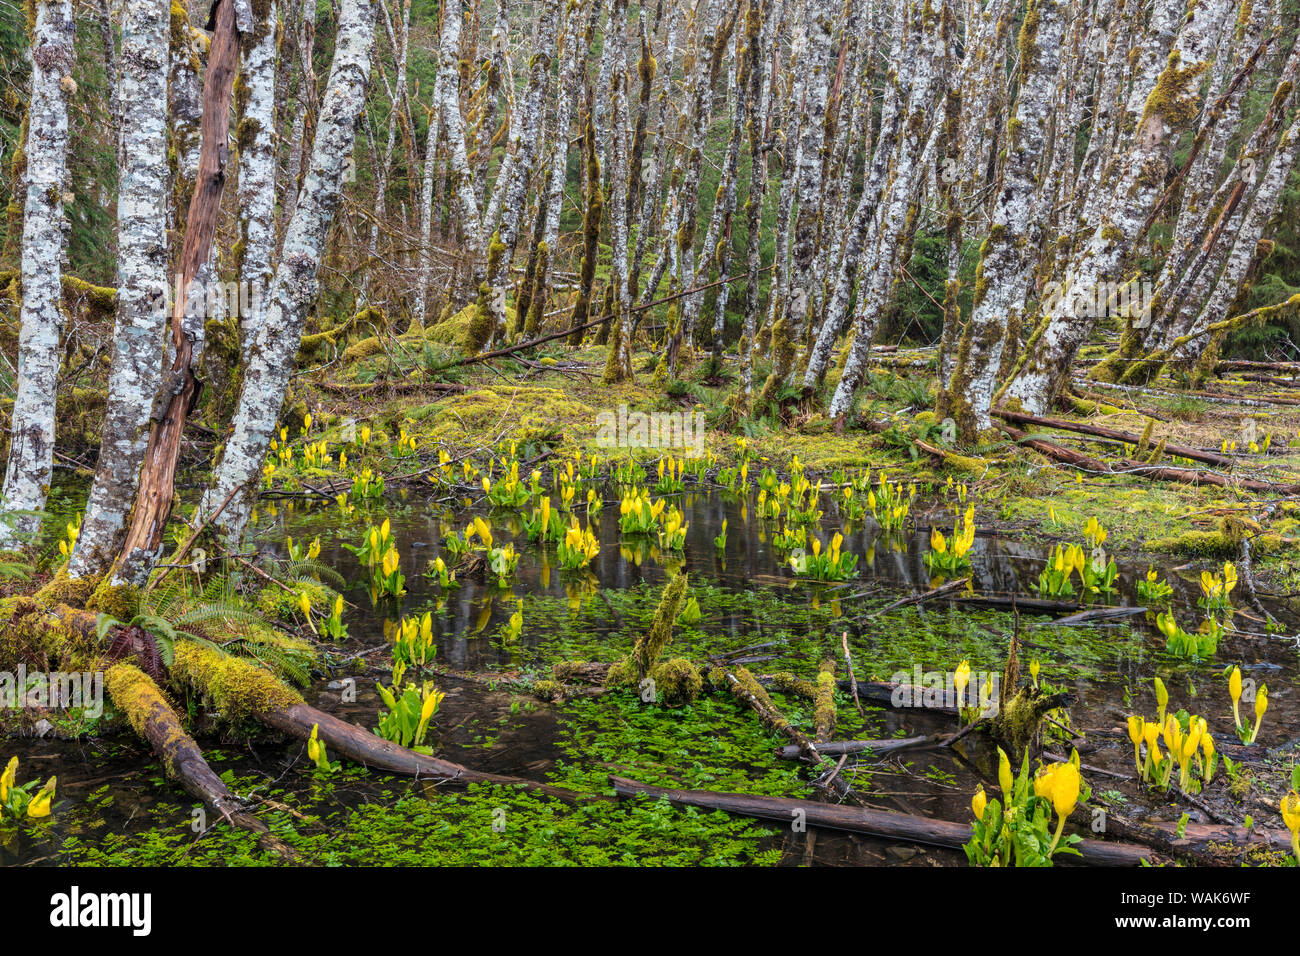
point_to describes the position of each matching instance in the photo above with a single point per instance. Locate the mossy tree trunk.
(45, 230)
(1008, 256)
(296, 279)
(142, 287)
(1163, 105)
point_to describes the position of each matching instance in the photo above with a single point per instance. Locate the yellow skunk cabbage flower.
(304, 604)
(1066, 783)
(306, 420)
(937, 541)
(430, 705)
(1234, 689)
(1207, 756)
(1162, 699)
(1043, 782)
(1261, 705)
(960, 678)
(1291, 817)
(1059, 784)
(1151, 734)
(1005, 780)
(978, 803)
(1034, 668)
(40, 804)
(1094, 533)
(1229, 578)
(7, 779)
(313, 744)
(1136, 727)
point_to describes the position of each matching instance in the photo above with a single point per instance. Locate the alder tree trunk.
(296, 282)
(141, 322)
(45, 236)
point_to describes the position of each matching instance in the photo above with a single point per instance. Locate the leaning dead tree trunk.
(31, 434)
(180, 387)
(297, 276)
(141, 286)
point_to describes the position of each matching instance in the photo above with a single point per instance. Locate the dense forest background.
(916, 317)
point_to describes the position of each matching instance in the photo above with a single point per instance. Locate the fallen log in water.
(930, 595)
(135, 694)
(1096, 614)
(158, 723)
(1027, 604)
(943, 700)
(885, 824)
(838, 748)
(363, 747)
(1186, 476)
(1183, 451)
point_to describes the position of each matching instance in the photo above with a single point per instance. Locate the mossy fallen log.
(673, 681)
(150, 714)
(824, 703)
(1182, 451)
(1141, 469)
(238, 689)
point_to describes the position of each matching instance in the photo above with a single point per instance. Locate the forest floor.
(433, 432)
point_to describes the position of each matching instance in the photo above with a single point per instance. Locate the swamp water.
(115, 806)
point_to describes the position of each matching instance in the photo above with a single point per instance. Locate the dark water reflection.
(935, 783)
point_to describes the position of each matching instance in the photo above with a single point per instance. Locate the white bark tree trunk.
(511, 191)
(1134, 181)
(619, 365)
(1009, 254)
(142, 295)
(255, 134)
(45, 228)
(296, 278)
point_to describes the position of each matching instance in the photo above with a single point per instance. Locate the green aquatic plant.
(831, 565)
(1202, 645)
(578, 547)
(1152, 590)
(316, 752)
(1016, 830)
(410, 710)
(24, 801)
(949, 557)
